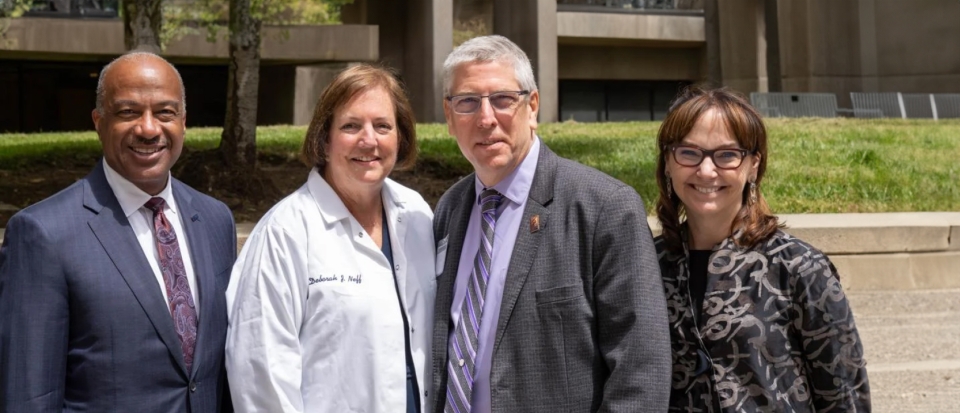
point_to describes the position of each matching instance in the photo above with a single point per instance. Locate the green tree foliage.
(182, 17)
(10, 9)
(14, 8)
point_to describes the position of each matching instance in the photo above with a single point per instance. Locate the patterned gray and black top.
(776, 333)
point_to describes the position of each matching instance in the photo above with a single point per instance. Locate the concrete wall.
(532, 25)
(596, 62)
(870, 46)
(825, 46)
(918, 45)
(310, 80)
(415, 36)
(288, 94)
(628, 26)
(882, 251)
(77, 39)
(886, 251)
(606, 48)
(628, 46)
(742, 45)
(429, 41)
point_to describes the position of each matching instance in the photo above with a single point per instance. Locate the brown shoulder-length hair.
(743, 121)
(349, 83)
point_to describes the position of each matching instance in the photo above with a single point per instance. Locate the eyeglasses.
(727, 158)
(500, 101)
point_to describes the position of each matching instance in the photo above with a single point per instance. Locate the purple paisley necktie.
(175, 279)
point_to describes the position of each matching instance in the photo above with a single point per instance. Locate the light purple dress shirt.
(515, 189)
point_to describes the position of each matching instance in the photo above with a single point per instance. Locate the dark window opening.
(616, 100)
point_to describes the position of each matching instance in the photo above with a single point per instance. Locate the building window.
(616, 100)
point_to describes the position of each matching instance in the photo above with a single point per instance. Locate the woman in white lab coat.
(330, 302)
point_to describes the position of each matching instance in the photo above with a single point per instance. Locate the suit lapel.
(199, 244)
(528, 240)
(112, 229)
(456, 231)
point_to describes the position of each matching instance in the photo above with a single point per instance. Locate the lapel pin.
(195, 218)
(534, 223)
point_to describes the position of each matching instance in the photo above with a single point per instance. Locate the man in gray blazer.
(112, 290)
(549, 296)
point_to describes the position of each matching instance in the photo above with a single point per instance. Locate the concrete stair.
(911, 341)
(888, 251)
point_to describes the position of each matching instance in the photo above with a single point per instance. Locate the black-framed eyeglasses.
(504, 101)
(724, 158)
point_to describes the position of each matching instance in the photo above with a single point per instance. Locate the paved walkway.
(911, 342)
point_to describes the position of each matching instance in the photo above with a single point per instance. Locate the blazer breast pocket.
(441, 259)
(559, 294)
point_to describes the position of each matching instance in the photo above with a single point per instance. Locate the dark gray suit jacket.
(84, 325)
(583, 321)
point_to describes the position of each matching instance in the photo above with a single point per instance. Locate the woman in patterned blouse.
(758, 319)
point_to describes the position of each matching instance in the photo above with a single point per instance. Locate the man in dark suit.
(112, 290)
(549, 296)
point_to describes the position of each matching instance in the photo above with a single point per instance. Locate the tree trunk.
(238, 143)
(141, 25)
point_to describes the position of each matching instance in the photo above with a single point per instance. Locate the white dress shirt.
(132, 200)
(314, 319)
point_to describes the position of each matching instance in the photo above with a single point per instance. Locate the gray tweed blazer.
(583, 322)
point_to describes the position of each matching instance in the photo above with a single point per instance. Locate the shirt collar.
(332, 207)
(130, 197)
(516, 186)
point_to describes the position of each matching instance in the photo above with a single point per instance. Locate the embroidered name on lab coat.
(342, 278)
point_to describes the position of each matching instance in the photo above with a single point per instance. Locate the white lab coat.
(315, 323)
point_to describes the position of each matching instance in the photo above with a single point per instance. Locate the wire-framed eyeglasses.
(504, 101)
(724, 158)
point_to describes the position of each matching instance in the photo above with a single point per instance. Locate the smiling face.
(711, 195)
(143, 121)
(363, 141)
(494, 142)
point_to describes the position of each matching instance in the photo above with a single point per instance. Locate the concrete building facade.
(594, 60)
(49, 70)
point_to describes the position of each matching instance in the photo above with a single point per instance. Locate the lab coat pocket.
(441, 255)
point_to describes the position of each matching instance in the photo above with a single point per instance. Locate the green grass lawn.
(815, 165)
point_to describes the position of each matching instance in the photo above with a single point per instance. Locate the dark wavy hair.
(349, 83)
(755, 220)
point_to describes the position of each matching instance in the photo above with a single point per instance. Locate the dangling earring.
(753, 192)
(669, 188)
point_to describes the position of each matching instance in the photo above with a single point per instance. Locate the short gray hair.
(489, 49)
(137, 55)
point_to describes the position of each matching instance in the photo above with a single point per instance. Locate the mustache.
(156, 140)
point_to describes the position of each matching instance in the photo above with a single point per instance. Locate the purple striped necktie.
(182, 307)
(462, 349)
